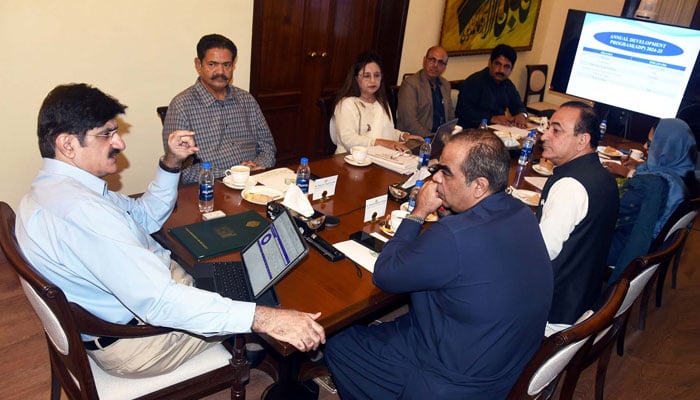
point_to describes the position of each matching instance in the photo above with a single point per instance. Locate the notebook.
(264, 261)
(436, 140)
(221, 235)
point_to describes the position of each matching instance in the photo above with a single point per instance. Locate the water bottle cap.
(304, 161)
(605, 121)
(419, 183)
(427, 140)
(206, 165)
(485, 120)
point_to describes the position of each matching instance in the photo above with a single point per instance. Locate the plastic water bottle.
(484, 124)
(414, 194)
(528, 145)
(424, 155)
(303, 175)
(603, 128)
(206, 188)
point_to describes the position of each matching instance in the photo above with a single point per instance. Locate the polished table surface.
(335, 289)
(316, 284)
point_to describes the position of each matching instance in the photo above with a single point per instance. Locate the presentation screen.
(636, 65)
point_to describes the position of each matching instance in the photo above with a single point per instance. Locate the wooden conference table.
(338, 290)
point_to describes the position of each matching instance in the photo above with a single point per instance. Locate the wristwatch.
(525, 114)
(415, 218)
(165, 168)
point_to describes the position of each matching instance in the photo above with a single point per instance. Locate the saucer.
(526, 196)
(541, 170)
(385, 229)
(261, 194)
(609, 151)
(351, 161)
(228, 183)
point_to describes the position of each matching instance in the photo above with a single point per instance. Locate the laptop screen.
(276, 250)
(438, 140)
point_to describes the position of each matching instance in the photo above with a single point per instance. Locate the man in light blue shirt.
(96, 244)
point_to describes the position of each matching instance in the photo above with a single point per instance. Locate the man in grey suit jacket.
(424, 101)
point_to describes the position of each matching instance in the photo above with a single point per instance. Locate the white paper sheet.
(358, 253)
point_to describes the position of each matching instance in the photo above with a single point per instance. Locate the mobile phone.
(368, 241)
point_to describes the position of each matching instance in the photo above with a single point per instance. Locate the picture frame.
(477, 26)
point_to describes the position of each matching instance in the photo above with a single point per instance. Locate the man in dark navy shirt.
(480, 282)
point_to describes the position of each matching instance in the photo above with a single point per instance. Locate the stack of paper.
(394, 160)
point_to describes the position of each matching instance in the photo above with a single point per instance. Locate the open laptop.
(435, 140)
(264, 261)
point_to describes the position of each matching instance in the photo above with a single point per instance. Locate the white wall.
(142, 53)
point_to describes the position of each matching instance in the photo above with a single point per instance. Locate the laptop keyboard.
(230, 280)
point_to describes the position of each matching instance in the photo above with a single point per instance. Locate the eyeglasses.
(433, 60)
(368, 76)
(109, 134)
(435, 168)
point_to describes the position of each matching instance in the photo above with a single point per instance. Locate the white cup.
(396, 217)
(238, 175)
(637, 154)
(359, 153)
(457, 129)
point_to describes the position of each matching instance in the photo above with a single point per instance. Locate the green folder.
(221, 235)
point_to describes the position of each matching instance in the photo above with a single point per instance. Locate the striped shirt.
(227, 132)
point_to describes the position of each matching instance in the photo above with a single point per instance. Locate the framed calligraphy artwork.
(477, 26)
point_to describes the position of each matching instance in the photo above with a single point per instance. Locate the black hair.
(505, 51)
(588, 121)
(352, 88)
(215, 41)
(485, 156)
(75, 109)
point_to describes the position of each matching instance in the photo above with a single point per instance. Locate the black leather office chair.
(161, 113)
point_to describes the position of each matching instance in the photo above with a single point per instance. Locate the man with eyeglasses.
(96, 244)
(489, 93)
(424, 101)
(229, 125)
(480, 284)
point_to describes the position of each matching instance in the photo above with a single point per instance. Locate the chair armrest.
(91, 325)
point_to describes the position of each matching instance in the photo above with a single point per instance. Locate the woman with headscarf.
(653, 191)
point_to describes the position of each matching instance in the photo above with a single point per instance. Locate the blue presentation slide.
(633, 64)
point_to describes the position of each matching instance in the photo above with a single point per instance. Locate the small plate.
(432, 217)
(228, 183)
(609, 151)
(351, 161)
(541, 170)
(526, 196)
(261, 194)
(385, 229)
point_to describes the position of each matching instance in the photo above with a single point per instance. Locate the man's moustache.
(114, 153)
(220, 77)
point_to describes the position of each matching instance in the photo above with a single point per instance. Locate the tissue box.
(397, 193)
(314, 223)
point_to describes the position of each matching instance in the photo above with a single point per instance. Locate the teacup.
(636, 154)
(238, 175)
(359, 153)
(396, 217)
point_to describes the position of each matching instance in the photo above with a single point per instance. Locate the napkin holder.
(314, 223)
(397, 193)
